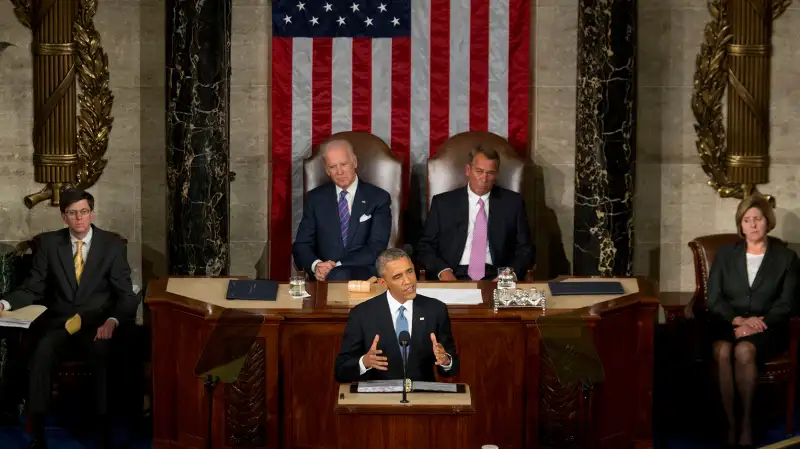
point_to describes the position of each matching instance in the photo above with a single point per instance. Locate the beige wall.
(673, 202)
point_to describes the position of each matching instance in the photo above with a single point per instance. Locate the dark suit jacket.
(373, 317)
(774, 289)
(319, 236)
(445, 236)
(105, 290)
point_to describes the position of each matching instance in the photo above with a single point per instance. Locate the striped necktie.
(78, 259)
(344, 216)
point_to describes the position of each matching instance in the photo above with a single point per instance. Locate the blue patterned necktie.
(344, 216)
(401, 324)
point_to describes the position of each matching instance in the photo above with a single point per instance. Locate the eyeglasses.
(74, 213)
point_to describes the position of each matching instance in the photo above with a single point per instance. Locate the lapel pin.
(422, 318)
(363, 202)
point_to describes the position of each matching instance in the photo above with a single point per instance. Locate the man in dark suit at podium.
(346, 223)
(370, 347)
(472, 231)
(82, 275)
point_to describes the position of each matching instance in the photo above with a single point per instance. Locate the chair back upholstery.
(376, 165)
(704, 252)
(446, 168)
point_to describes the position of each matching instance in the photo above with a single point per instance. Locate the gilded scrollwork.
(60, 160)
(95, 99)
(713, 73)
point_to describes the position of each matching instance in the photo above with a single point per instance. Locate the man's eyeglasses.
(74, 213)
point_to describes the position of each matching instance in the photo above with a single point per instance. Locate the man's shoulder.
(505, 194)
(319, 190)
(450, 195)
(369, 305)
(372, 189)
(50, 237)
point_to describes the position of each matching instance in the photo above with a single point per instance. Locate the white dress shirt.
(87, 243)
(351, 195)
(753, 264)
(473, 198)
(394, 310)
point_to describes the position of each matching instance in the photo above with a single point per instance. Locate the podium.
(428, 421)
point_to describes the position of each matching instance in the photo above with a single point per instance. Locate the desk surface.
(446, 401)
(212, 291)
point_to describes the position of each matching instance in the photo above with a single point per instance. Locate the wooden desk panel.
(518, 400)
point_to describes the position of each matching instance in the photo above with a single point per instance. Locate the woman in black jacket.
(751, 294)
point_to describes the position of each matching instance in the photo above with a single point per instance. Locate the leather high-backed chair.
(446, 168)
(781, 369)
(376, 165)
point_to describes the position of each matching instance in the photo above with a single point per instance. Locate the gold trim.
(712, 75)
(95, 100)
(45, 49)
(749, 50)
(747, 161)
(61, 160)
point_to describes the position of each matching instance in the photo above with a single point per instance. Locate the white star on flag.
(368, 22)
(340, 21)
(395, 21)
(314, 21)
(328, 7)
(354, 7)
(382, 7)
(301, 6)
(287, 19)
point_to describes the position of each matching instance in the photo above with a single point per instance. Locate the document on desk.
(454, 296)
(21, 318)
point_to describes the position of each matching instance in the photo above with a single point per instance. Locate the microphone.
(405, 339)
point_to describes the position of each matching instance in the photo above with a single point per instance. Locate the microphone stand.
(405, 360)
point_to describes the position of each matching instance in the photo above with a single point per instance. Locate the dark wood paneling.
(405, 432)
(519, 401)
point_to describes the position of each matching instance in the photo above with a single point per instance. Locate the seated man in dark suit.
(370, 347)
(82, 274)
(471, 231)
(346, 223)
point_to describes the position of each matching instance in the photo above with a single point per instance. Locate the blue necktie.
(344, 216)
(401, 324)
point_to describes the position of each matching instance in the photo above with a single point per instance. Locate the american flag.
(412, 72)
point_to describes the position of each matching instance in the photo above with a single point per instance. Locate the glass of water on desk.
(297, 286)
(506, 279)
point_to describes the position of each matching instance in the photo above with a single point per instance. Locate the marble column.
(605, 155)
(198, 61)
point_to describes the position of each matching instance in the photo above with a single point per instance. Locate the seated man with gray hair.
(370, 347)
(346, 223)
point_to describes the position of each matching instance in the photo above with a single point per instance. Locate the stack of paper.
(21, 317)
(454, 296)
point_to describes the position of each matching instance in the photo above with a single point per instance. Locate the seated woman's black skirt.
(769, 344)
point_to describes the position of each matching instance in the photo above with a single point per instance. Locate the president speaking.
(370, 346)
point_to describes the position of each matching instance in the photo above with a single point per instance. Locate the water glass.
(297, 286)
(506, 279)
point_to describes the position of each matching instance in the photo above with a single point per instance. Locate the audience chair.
(446, 168)
(782, 369)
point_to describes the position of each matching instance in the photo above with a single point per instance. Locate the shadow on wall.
(551, 256)
(791, 230)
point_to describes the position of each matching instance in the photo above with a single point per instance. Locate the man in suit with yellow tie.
(81, 274)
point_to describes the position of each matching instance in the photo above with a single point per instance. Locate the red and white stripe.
(468, 73)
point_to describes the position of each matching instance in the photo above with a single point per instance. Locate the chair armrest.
(794, 338)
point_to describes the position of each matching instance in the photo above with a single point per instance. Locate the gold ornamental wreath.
(95, 98)
(710, 81)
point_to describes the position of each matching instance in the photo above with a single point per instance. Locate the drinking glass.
(506, 279)
(297, 286)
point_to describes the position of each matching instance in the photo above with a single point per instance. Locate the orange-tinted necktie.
(78, 260)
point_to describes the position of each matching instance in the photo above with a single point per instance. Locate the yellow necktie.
(78, 260)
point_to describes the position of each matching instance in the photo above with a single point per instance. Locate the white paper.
(454, 296)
